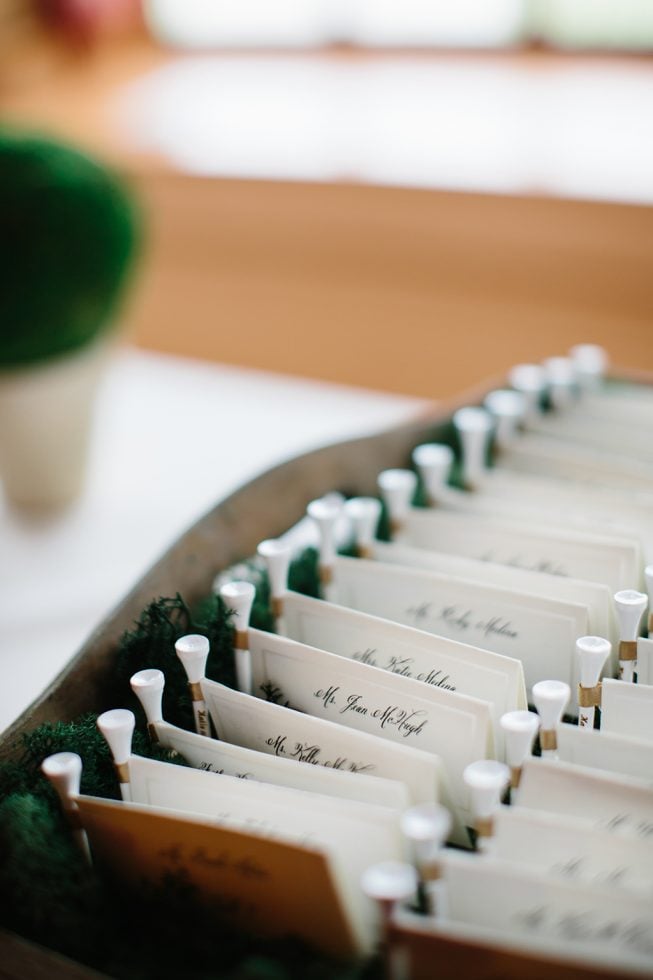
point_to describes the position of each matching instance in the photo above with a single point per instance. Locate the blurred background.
(389, 201)
(405, 196)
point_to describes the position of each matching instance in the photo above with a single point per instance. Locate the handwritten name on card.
(223, 758)
(612, 561)
(455, 727)
(434, 660)
(578, 920)
(538, 631)
(258, 884)
(616, 803)
(573, 850)
(593, 595)
(271, 728)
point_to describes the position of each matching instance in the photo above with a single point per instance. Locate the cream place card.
(644, 660)
(595, 597)
(537, 498)
(598, 749)
(571, 849)
(627, 709)
(258, 883)
(580, 921)
(434, 660)
(614, 562)
(279, 731)
(621, 804)
(567, 461)
(609, 434)
(538, 631)
(456, 727)
(211, 755)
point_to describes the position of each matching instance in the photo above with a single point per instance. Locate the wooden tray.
(263, 508)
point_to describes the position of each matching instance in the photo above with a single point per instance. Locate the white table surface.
(171, 438)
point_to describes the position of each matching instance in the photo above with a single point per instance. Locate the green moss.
(69, 231)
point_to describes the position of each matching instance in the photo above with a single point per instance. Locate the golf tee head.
(508, 409)
(530, 381)
(474, 427)
(117, 726)
(148, 687)
(364, 514)
(397, 488)
(433, 461)
(276, 555)
(193, 651)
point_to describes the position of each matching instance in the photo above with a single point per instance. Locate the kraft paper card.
(434, 660)
(620, 804)
(571, 849)
(453, 726)
(598, 749)
(627, 709)
(353, 835)
(613, 562)
(595, 597)
(267, 887)
(540, 632)
(211, 755)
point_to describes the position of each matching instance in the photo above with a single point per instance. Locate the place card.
(595, 597)
(614, 562)
(434, 660)
(620, 804)
(598, 749)
(627, 709)
(644, 660)
(257, 883)
(550, 456)
(539, 497)
(211, 755)
(577, 920)
(631, 438)
(538, 631)
(277, 730)
(453, 726)
(571, 849)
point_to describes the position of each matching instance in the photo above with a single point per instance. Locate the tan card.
(267, 887)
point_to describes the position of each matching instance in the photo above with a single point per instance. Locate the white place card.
(617, 803)
(546, 455)
(453, 726)
(644, 660)
(595, 597)
(541, 497)
(224, 758)
(614, 562)
(571, 849)
(540, 632)
(276, 730)
(627, 709)
(434, 660)
(605, 434)
(577, 920)
(258, 883)
(598, 749)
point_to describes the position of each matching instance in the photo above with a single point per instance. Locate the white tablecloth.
(171, 438)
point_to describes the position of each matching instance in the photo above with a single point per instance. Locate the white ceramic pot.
(45, 424)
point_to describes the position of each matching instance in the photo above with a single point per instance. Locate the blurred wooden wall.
(404, 290)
